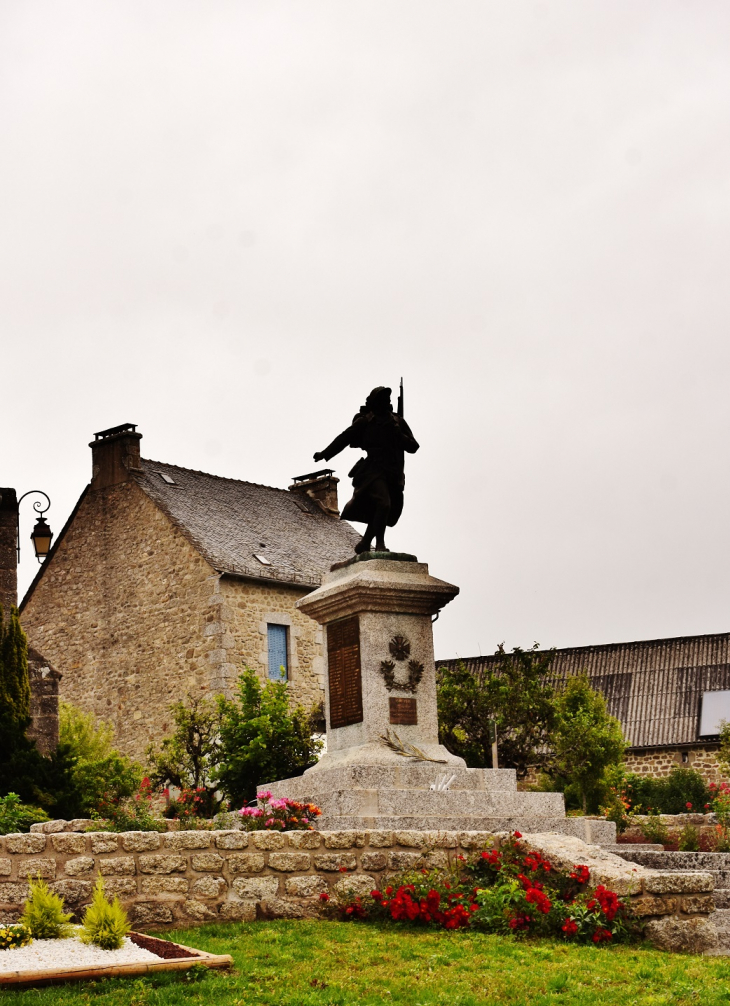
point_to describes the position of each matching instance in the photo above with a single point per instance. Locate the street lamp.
(41, 535)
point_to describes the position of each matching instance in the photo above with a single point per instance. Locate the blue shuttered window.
(278, 654)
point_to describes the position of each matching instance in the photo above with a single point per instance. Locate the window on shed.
(278, 653)
(715, 709)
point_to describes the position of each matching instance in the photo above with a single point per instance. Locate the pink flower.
(269, 822)
(265, 794)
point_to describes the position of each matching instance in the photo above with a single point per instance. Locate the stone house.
(166, 582)
(670, 696)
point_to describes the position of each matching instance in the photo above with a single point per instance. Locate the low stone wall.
(185, 877)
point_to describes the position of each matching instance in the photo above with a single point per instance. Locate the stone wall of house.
(135, 619)
(660, 762)
(183, 877)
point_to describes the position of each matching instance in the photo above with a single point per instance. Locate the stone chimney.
(114, 454)
(320, 486)
(8, 549)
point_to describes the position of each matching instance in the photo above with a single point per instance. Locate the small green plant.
(689, 839)
(14, 935)
(17, 816)
(43, 915)
(105, 922)
(653, 828)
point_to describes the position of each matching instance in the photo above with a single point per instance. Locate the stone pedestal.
(384, 767)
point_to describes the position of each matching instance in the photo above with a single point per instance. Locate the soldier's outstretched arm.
(337, 445)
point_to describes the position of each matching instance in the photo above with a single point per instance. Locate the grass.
(333, 963)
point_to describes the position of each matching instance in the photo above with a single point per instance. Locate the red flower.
(343, 869)
(600, 935)
(569, 927)
(324, 896)
(520, 922)
(688, 805)
(581, 874)
(376, 895)
(516, 834)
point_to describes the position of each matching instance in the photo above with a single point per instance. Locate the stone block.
(148, 912)
(698, 903)
(79, 866)
(246, 862)
(334, 862)
(140, 841)
(268, 840)
(13, 894)
(238, 911)
(256, 887)
(231, 840)
(654, 906)
(6, 867)
(289, 861)
(26, 844)
(374, 861)
(693, 935)
(382, 839)
(476, 840)
(304, 839)
(284, 908)
(9, 915)
(344, 839)
(209, 887)
(411, 839)
(72, 891)
(200, 912)
(71, 845)
(356, 885)
(678, 883)
(403, 860)
(442, 839)
(207, 862)
(123, 887)
(162, 863)
(178, 840)
(118, 867)
(48, 827)
(45, 868)
(305, 887)
(434, 859)
(80, 824)
(102, 841)
(164, 885)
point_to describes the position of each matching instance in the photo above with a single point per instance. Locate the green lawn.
(322, 963)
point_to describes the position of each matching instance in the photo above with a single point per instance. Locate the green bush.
(43, 915)
(99, 773)
(689, 839)
(105, 922)
(16, 816)
(669, 795)
(261, 738)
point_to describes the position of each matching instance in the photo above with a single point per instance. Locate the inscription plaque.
(403, 711)
(345, 677)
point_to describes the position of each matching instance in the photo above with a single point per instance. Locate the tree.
(586, 739)
(262, 738)
(99, 773)
(14, 680)
(514, 690)
(189, 758)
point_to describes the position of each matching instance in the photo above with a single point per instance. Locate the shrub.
(131, 815)
(689, 839)
(189, 758)
(105, 923)
(278, 815)
(509, 890)
(653, 828)
(262, 738)
(43, 915)
(671, 794)
(100, 775)
(14, 935)
(16, 816)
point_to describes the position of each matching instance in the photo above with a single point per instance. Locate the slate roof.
(653, 687)
(230, 522)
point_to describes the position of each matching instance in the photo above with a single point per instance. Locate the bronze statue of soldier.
(377, 479)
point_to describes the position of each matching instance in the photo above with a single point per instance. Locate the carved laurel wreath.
(400, 648)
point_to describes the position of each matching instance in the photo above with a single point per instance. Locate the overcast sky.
(226, 222)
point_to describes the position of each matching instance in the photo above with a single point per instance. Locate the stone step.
(594, 832)
(619, 848)
(405, 776)
(716, 862)
(429, 803)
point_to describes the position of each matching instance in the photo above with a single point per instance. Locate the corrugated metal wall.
(654, 688)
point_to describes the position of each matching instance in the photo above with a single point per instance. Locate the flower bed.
(509, 890)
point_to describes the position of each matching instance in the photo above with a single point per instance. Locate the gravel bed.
(55, 955)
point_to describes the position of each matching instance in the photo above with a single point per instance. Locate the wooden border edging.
(8, 978)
